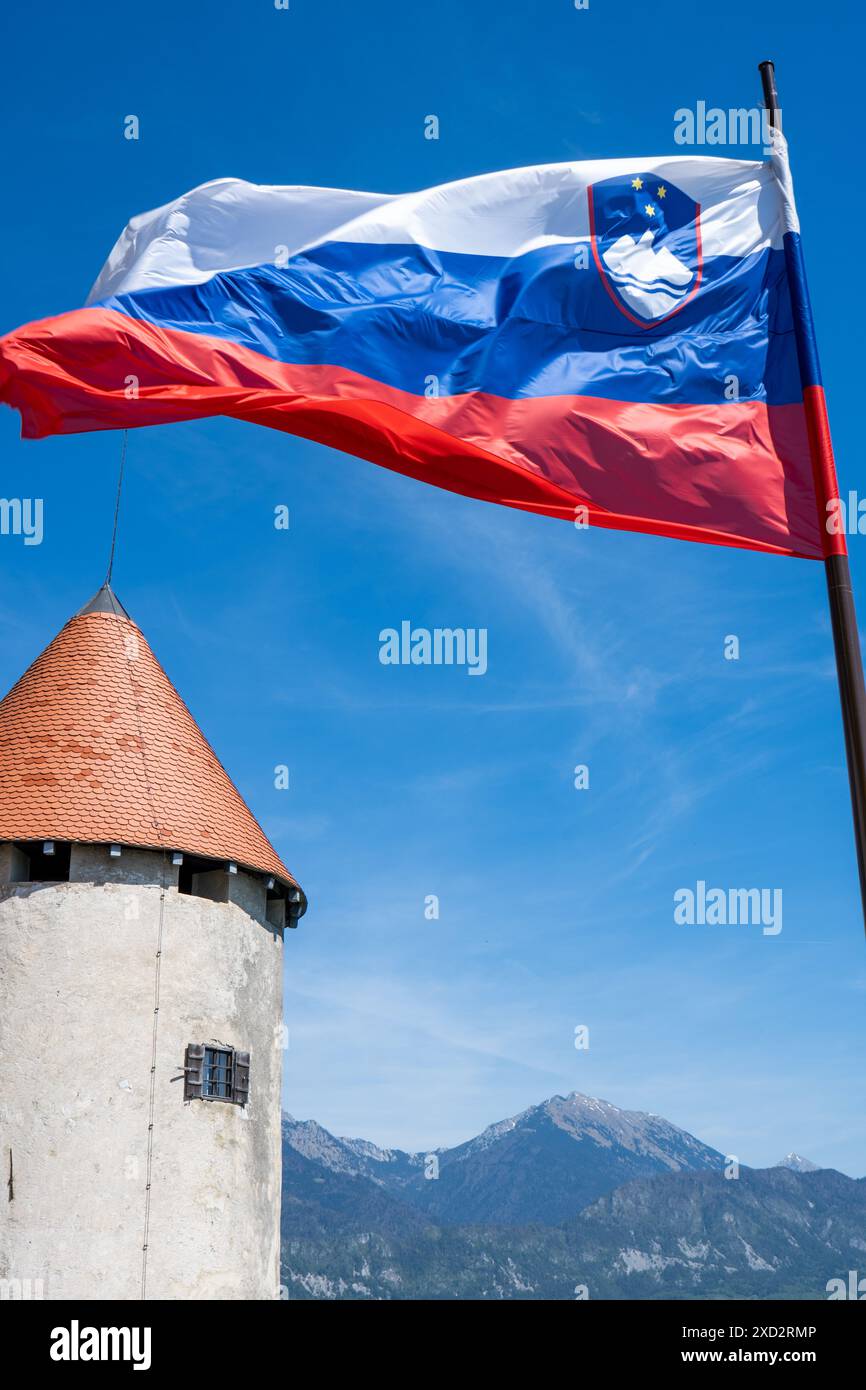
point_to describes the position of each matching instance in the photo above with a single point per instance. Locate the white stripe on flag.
(229, 224)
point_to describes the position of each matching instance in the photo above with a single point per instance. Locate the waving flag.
(611, 339)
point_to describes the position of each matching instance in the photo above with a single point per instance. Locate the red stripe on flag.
(737, 474)
(823, 466)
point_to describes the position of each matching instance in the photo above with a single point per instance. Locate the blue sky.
(604, 648)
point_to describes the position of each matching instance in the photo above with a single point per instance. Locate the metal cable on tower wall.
(152, 1096)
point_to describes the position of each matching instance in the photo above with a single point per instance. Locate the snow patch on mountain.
(798, 1164)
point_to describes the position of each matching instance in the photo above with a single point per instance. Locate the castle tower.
(142, 913)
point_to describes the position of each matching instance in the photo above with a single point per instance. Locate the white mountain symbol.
(651, 282)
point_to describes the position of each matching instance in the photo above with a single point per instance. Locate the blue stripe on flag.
(807, 346)
(534, 325)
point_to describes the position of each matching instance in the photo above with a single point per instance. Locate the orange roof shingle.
(97, 746)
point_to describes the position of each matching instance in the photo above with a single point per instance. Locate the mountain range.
(543, 1165)
(572, 1198)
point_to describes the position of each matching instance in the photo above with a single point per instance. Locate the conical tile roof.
(97, 746)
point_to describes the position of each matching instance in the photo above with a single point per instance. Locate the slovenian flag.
(609, 342)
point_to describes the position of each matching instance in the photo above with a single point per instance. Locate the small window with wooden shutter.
(213, 1072)
(241, 1078)
(193, 1063)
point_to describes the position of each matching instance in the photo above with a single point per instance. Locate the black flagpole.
(846, 639)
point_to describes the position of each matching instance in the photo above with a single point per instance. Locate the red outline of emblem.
(643, 323)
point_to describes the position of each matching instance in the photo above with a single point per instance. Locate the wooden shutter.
(241, 1087)
(193, 1064)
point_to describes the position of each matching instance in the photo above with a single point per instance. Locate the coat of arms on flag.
(646, 241)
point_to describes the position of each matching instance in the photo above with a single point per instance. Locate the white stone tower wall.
(77, 988)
